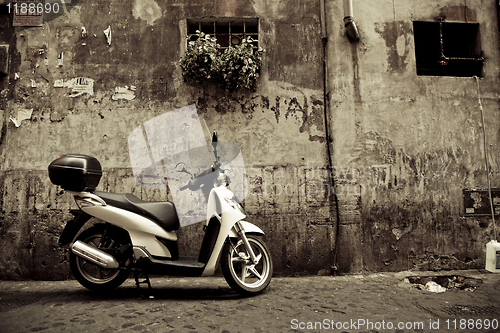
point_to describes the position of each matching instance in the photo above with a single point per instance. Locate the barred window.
(227, 31)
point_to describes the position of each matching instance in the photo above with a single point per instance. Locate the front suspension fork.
(243, 236)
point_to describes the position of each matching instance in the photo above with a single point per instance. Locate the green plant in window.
(237, 67)
(241, 66)
(202, 59)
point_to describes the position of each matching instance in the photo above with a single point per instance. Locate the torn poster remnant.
(124, 93)
(79, 86)
(27, 16)
(107, 33)
(60, 59)
(22, 114)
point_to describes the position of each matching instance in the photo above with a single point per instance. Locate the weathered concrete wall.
(402, 146)
(423, 134)
(280, 125)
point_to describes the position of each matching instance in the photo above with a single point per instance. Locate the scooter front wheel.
(90, 275)
(240, 272)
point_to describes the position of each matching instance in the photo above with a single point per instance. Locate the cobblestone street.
(384, 302)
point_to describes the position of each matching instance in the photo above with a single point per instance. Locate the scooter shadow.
(163, 291)
(166, 293)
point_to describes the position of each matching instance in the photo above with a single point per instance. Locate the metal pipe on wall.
(324, 38)
(348, 12)
(350, 26)
(323, 19)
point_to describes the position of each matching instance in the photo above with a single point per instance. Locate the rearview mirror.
(180, 167)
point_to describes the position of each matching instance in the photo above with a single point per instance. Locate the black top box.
(74, 172)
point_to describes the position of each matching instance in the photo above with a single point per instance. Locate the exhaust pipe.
(94, 255)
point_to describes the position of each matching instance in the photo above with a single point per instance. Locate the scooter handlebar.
(199, 180)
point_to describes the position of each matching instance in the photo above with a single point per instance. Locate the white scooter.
(139, 236)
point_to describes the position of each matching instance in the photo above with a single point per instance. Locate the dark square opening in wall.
(448, 49)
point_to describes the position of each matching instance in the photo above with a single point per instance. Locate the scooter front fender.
(248, 227)
(72, 227)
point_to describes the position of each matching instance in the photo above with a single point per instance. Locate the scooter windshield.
(177, 137)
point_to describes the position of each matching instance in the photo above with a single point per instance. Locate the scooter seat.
(161, 212)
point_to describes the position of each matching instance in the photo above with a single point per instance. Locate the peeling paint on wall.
(79, 86)
(126, 92)
(147, 10)
(107, 33)
(397, 37)
(22, 114)
(459, 13)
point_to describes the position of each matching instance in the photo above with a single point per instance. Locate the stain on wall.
(398, 39)
(147, 10)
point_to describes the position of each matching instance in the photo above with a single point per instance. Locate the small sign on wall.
(477, 201)
(27, 13)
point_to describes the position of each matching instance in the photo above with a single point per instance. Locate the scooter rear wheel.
(240, 273)
(92, 276)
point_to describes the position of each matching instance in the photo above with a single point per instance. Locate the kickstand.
(137, 276)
